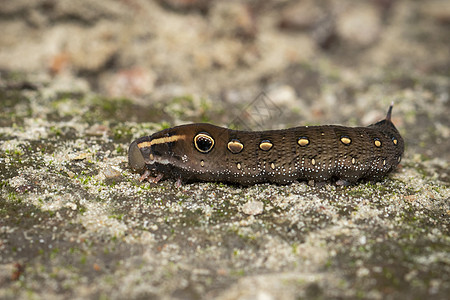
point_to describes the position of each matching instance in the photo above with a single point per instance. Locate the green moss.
(117, 217)
(54, 253)
(110, 106)
(237, 273)
(189, 106)
(122, 132)
(360, 294)
(356, 191)
(83, 259)
(56, 131)
(107, 109)
(15, 153)
(12, 196)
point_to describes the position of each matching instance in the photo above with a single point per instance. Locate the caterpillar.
(205, 152)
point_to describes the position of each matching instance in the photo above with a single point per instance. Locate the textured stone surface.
(79, 80)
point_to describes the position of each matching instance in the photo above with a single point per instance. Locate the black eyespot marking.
(203, 142)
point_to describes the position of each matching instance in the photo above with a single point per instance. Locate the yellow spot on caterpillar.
(238, 165)
(151, 156)
(272, 165)
(395, 141)
(303, 141)
(202, 163)
(377, 143)
(265, 145)
(235, 146)
(346, 140)
(353, 160)
(313, 161)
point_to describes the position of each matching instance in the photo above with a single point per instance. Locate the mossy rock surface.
(75, 222)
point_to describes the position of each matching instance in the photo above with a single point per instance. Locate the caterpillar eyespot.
(203, 142)
(205, 152)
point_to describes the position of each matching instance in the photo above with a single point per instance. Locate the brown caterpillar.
(205, 152)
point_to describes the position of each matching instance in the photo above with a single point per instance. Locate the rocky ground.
(79, 80)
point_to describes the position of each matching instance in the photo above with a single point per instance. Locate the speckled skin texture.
(201, 152)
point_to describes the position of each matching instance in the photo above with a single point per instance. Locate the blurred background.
(79, 80)
(327, 61)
